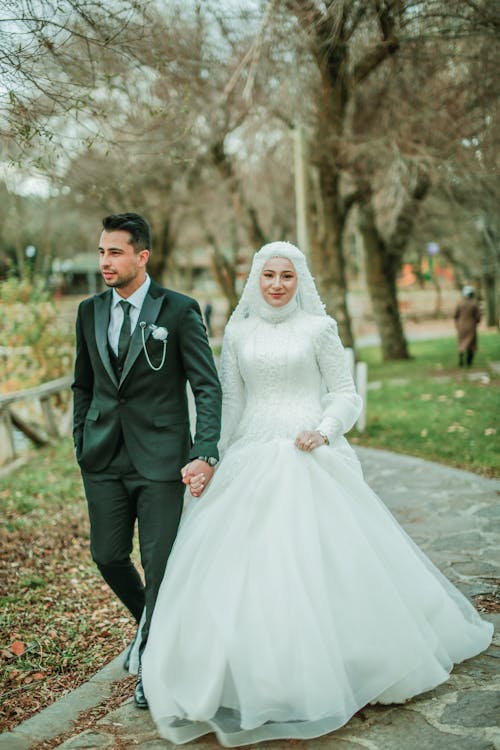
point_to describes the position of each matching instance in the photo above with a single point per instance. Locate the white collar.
(278, 314)
(137, 298)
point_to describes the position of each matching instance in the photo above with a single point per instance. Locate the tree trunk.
(381, 269)
(491, 258)
(490, 293)
(225, 274)
(23, 266)
(224, 270)
(161, 252)
(328, 31)
(327, 256)
(244, 210)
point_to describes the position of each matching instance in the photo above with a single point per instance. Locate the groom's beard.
(118, 281)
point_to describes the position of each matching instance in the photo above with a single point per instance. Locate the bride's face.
(278, 281)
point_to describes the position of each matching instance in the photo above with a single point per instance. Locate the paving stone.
(132, 726)
(12, 741)
(408, 730)
(88, 740)
(475, 568)
(164, 745)
(329, 742)
(489, 511)
(476, 708)
(129, 718)
(494, 527)
(480, 588)
(467, 541)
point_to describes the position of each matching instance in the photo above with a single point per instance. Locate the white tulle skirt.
(293, 598)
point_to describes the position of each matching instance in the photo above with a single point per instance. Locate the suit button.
(122, 401)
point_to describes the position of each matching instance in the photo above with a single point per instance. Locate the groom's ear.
(143, 256)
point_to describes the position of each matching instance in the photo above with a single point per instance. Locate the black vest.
(116, 363)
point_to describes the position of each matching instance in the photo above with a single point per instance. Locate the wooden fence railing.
(42, 414)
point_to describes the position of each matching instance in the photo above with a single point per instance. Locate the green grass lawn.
(427, 406)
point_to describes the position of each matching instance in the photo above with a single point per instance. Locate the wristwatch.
(210, 460)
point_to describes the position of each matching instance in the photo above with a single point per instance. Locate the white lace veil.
(306, 297)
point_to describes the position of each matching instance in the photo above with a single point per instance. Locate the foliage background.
(37, 337)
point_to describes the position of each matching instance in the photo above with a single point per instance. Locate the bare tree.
(394, 95)
(186, 112)
(54, 56)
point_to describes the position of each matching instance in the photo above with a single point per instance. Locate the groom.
(137, 345)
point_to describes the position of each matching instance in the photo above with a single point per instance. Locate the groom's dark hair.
(135, 224)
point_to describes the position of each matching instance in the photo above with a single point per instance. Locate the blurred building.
(77, 275)
(190, 270)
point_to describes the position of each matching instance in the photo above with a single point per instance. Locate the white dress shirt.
(116, 317)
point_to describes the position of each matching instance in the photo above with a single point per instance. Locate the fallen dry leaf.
(18, 648)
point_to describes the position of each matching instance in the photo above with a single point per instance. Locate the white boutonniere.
(159, 333)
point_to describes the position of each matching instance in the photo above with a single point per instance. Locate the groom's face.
(121, 267)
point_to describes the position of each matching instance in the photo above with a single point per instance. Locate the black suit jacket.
(148, 408)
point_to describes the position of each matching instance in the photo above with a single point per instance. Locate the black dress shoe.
(139, 697)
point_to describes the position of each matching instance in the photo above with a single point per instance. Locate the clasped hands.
(197, 474)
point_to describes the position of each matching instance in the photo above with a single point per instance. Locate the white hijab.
(252, 303)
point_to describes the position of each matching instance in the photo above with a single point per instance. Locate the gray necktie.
(125, 330)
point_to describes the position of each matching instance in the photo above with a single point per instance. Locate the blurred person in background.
(467, 317)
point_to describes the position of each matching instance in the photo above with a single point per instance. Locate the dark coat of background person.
(467, 316)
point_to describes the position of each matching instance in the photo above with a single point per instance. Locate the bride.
(292, 597)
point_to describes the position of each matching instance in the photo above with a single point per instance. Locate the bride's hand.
(197, 474)
(308, 441)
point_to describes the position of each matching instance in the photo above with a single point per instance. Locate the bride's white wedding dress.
(292, 597)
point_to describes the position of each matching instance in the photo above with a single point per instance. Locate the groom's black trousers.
(117, 497)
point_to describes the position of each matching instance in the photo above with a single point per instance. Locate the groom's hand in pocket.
(196, 475)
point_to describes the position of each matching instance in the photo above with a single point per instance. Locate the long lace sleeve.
(233, 390)
(342, 405)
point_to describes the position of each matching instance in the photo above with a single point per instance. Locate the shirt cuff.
(331, 427)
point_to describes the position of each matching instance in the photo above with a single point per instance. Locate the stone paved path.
(455, 517)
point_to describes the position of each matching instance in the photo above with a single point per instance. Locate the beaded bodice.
(280, 378)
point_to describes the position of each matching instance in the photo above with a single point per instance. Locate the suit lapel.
(149, 313)
(102, 310)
